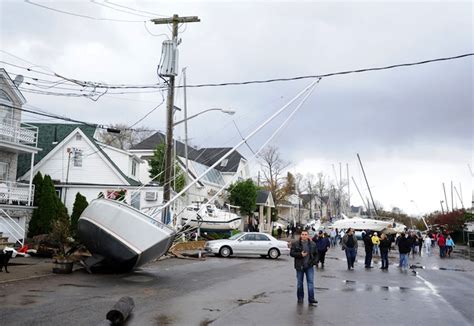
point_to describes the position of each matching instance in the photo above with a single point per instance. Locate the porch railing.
(20, 133)
(12, 228)
(14, 193)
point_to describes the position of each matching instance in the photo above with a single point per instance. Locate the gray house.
(16, 199)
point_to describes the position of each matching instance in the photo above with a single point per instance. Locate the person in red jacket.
(442, 245)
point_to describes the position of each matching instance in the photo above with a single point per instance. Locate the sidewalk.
(22, 268)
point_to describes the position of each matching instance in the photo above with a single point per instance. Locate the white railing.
(13, 229)
(20, 133)
(13, 193)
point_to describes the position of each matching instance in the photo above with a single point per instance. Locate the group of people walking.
(309, 253)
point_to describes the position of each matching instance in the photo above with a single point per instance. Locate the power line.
(137, 10)
(120, 10)
(150, 112)
(82, 16)
(346, 72)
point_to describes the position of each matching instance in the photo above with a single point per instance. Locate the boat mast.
(348, 189)
(365, 177)
(446, 199)
(363, 200)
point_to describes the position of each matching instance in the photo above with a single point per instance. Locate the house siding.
(94, 168)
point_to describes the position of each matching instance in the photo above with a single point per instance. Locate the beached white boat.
(121, 236)
(209, 217)
(359, 223)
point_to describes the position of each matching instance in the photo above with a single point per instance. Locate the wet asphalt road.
(250, 291)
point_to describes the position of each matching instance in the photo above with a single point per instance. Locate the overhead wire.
(136, 10)
(81, 15)
(263, 81)
(116, 9)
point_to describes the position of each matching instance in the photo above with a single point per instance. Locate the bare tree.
(273, 167)
(311, 189)
(120, 136)
(321, 191)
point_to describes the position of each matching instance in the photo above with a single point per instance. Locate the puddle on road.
(450, 269)
(348, 281)
(321, 289)
(206, 322)
(78, 285)
(210, 309)
(254, 299)
(139, 278)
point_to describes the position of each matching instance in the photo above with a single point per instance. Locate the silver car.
(248, 243)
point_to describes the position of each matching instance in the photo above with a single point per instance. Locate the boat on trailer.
(120, 236)
(208, 217)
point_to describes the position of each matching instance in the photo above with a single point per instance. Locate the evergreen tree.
(80, 204)
(34, 222)
(50, 208)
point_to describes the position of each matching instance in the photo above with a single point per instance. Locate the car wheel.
(225, 251)
(273, 253)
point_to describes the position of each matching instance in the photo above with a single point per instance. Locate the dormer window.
(224, 162)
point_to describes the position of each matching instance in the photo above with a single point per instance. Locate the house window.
(134, 168)
(3, 171)
(4, 96)
(224, 162)
(6, 115)
(78, 136)
(77, 157)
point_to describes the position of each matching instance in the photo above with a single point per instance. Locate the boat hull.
(212, 225)
(121, 236)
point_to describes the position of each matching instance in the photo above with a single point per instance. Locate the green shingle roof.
(50, 135)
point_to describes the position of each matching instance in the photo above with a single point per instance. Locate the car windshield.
(235, 236)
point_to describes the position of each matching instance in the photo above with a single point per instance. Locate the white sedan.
(248, 243)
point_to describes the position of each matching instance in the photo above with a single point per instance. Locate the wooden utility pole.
(175, 20)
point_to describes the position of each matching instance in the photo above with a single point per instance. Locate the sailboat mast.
(365, 177)
(360, 194)
(348, 188)
(445, 198)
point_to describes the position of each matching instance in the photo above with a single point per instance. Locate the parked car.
(248, 244)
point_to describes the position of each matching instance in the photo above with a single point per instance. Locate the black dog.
(4, 259)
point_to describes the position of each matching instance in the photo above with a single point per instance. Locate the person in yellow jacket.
(376, 242)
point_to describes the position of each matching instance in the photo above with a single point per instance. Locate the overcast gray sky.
(413, 127)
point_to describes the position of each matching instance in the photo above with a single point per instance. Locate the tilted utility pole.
(175, 20)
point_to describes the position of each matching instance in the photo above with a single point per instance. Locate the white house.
(230, 169)
(292, 210)
(77, 162)
(16, 139)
